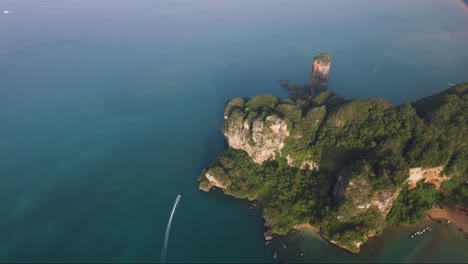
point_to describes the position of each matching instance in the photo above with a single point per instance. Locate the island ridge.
(345, 168)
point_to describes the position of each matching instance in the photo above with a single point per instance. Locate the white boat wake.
(168, 229)
(375, 70)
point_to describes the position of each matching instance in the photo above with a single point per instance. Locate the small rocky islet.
(345, 168)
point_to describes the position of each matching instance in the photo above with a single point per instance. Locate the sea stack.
(318, 79)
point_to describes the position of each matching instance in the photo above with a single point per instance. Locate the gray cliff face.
(262, 140)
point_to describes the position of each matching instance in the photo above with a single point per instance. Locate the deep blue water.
(110, 109)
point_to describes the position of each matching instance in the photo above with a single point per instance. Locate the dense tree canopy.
(366, 143)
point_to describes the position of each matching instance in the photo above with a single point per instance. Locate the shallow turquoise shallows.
(110, 109)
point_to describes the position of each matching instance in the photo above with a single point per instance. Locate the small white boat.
(6, 12)
(451, 84)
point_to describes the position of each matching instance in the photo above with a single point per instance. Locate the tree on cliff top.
(323, 58)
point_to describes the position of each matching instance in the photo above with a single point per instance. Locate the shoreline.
(306, 226)
(456, 218)
(436, 214)
(316, 232)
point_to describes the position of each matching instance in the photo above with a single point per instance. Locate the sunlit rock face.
(320, 71)
(318, 79)
(262, 140)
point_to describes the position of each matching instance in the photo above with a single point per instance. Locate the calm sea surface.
(110, 109)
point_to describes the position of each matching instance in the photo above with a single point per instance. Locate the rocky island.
(344, 168)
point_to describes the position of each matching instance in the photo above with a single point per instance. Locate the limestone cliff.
(261, 139)
(264, 138)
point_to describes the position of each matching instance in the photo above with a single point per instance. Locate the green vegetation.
(236, 103)
(350, 239)
(262, 103)
(323, 57)
(410, 206)
(364, 149)
(285, 184)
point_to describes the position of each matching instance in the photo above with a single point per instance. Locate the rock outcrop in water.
(320, 71)
(318, 79)
(348, 168)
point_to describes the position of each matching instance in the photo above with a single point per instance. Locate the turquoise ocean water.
(110, 109)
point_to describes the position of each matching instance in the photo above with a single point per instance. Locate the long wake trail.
(168, 229)
(375, 70)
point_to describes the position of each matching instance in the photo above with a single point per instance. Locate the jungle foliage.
(366, 141)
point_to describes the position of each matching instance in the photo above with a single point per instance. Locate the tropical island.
(344, 168)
